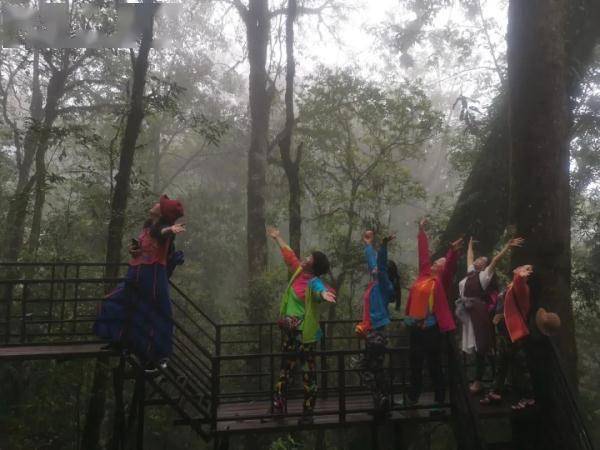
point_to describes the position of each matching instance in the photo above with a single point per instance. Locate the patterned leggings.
(371, 368)
(296, 352)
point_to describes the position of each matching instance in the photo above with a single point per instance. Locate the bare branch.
(98, 107)
(305, 10)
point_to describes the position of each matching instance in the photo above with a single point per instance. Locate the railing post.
(75, 298)
(341, 388)
(8, 288)
(64, 297)
(119, 417)
(260, 358)
(24, 312)
(51, 307)
(324, 366)
(141, 413)
(216, 372)
(271, 358)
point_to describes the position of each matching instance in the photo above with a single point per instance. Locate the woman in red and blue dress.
(136, 316)
(382, 289)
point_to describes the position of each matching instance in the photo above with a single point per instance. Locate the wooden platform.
(253, 417)
(63, 351)
(502, 409)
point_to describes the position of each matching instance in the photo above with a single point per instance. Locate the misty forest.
(300, 224)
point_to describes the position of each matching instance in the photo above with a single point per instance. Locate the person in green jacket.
(299, 324)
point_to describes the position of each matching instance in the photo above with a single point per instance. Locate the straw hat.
(547, 322)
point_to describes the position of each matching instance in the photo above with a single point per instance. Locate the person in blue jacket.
(382, 290)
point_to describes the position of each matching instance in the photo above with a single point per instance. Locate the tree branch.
(304, 10)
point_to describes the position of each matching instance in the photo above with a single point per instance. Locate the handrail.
(60, 280)
(60, 263)
(190, 302)
(566, 411)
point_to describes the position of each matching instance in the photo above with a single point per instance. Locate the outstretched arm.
(516, 242)
(451, 263)
(322, 291)
(174, 229)
(520, 275)
(423, 247)
(470, 254)
(290, 258)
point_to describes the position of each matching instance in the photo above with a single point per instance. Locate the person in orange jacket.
(428, 315)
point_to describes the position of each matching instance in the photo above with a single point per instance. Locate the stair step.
(501, 446)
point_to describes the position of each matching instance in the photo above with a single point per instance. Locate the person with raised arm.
(511, 320)
(380, 291)
(299, 323)
(428, 316)
(136, 315)
(478, 292)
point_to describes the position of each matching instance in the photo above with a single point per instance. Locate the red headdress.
(171, 210)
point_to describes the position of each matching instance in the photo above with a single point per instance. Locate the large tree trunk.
(133, 126)
(291, 165)
(96, 410)
(258, 26)
(482, 207)
(539, 167)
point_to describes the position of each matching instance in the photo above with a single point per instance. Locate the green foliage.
(358, 138)
(287, 443)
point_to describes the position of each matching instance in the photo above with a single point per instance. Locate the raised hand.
(457, 244)
(273, 232)
(368, 237)
(516, 242)
(328, 296)
(524, 271)
(423, 222)
(389, 238)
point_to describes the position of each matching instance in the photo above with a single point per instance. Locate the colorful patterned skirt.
(137, 313)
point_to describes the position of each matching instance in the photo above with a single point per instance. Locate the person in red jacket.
(511, 320)
(428, 315)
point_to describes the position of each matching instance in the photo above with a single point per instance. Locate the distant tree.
(133, 123)
(358, 138)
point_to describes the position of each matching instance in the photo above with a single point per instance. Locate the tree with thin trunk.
(291, 163)
(358, 139)
(56, 90)
(25, 152)
(257, 20)
(135, 116)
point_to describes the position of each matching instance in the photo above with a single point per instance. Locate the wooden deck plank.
(254, 420)
(70, 351)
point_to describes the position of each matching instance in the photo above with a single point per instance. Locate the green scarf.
(310, 324)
